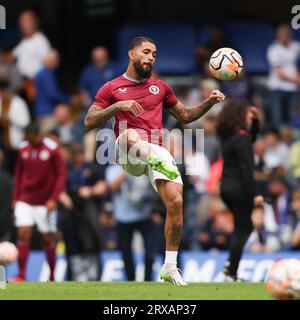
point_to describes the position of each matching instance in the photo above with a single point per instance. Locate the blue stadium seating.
(10, 36)
(251, 39)
(203, 35)
(175, 43)
(297, 34)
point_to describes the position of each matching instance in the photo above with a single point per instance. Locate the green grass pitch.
(133, 291)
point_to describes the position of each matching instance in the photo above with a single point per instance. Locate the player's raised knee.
(129, 136)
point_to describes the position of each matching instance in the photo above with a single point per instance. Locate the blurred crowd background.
(35, 85)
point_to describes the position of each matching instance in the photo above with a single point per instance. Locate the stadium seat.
(251, 39)
(296, 34)
(175, 42)
(203, 34)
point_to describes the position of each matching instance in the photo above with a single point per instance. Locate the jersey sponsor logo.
(154, 89)
(44, 155)
(122, 90)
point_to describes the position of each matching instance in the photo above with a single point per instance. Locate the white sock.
(171, 257)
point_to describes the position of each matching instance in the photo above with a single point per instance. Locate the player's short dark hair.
(138, 41)
(32, 128)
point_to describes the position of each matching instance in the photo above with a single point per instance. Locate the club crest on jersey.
(44, 155)
(122, 90)
(154, 89)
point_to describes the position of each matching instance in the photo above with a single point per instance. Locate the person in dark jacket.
(237, 128)
(48, 93)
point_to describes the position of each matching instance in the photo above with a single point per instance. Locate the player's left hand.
(215, 97)
(51, 205)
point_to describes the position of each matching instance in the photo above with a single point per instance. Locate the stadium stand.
(251, 39)
(176, 43)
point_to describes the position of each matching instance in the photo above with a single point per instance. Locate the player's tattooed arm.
(96, 116)
(189, 114)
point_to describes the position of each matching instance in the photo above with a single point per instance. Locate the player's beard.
(142, 72)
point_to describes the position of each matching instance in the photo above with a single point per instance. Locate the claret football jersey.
(152, 94)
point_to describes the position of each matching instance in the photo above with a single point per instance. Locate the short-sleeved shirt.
(30, 53)
(152, 94)
(284, 57)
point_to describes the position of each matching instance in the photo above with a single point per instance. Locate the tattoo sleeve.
(187, 115)
(96, 116)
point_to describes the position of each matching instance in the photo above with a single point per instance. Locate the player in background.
(40, 177)
(137, 99)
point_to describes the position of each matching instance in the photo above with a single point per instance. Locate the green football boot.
(158, 164)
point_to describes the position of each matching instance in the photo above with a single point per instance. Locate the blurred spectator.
(9, 71)
(280, 200)
(294, 158)
(108, 230)
(261, 170)
(212, 147)
(264, 237)
(192, 97)
(284, 78)
(39, 179)
(295, 241)
(68, 130)
(215, 233)
(216, 41)
(48, 94)
(81, 204)
(287, 135)
(214, 177)
(34, 46)
(132, 211)
(14, 117)
(212, 192)
(94, 75)
(197, 170)
(277, 152)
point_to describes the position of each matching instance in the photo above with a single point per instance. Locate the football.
(226, 64)
(8, 253)
(283, 279)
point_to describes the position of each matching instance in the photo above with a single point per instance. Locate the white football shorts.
(27, 215)
(136, 167)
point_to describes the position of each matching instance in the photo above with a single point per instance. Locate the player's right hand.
(130, 105)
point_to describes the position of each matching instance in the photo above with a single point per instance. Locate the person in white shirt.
(284, 77)
(14, 117)
(277, 152)
(34, 46)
